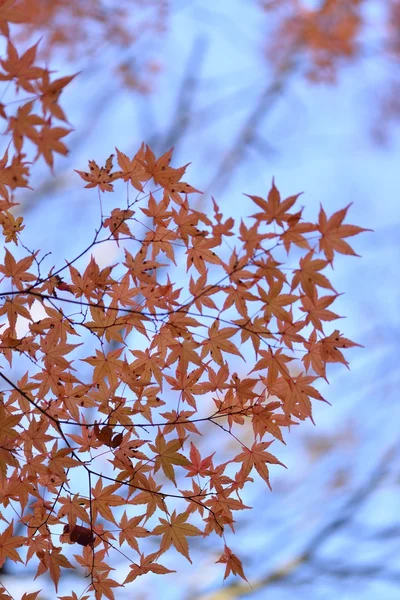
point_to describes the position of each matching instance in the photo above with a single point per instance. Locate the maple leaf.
(312, 358)
(232, 562)
(151, 497)
(8, 423)
(188, 220)
(255, 330)
(308, 275)
(294, 233)
(102, 586)
(185, 353)
(73, 507)
(99, 176)
(11, 227)
(81, 535)
(48, 141)
(133, 169)
(289, 331)
(333, 231)
(297, 400)
(329, 347)
(31, 595)
(13, 308)
(265, 420)
(179, 422)
(9, 544)
(200, 253)
(165, 175)
(10, 14)
(167, 455)
(273, 208)
(59, 461)
(185, 382)
(52, 561)
(53, 353)
(239, 296)
(130, 530)
(221, 228)
(94, 562)
(275, 362)
(17, 271)
(257, 457)
(20, 67)
(218, 342)
(138, 267)
(24, 125)
(105, 365)
(316, 310)
(149, 365)
(103, 498)
(105, 323)
(158, 211)
(50, 92)
(175, 531)
(221, 506)
(273, 301)
(197, 465)
(201, 293)
(93, 283)
(36, 436)
(73, 596)
(147, 565)
(117, 222)
(251, 237)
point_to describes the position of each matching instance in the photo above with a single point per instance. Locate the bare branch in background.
(290, 570)
(186, 96)
(250, 131)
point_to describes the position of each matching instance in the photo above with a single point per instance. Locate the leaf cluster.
(131, 364)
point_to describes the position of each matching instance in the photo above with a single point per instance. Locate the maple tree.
(128, 362)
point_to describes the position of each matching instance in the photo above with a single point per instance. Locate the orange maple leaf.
(273, 208)
(167, 455)
(18, 271)
(200, 253)
(147, 565)
(232, 562)
(218, 342)
(309, 276)
(274, 301)
(100, 176)
(275, 362)
(133, 170)
(130, 530)
(165, 175)
(257, 457)
(9, 544)
(52, 561)
(329, 347)
(50, 92)
(316, 309)
(117, 222)
(197, 465)
(103, 498)
(20, 67)
(48, 141)
(332, 231)
(175, 531)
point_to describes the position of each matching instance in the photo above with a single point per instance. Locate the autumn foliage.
(99, 438)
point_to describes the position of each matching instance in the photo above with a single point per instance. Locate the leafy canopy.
(131, 364)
